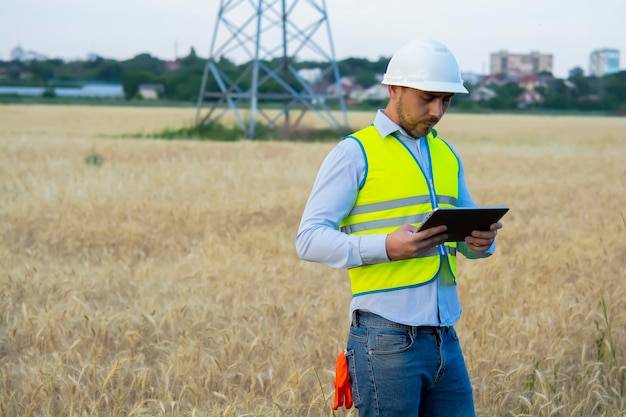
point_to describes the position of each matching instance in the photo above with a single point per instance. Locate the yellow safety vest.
(396, 192)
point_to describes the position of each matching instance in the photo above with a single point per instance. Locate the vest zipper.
(433, 194)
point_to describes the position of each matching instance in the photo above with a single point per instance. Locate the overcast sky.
(472, 29)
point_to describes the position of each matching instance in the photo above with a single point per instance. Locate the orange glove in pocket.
(343, 391)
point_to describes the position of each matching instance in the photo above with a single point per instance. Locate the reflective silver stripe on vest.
(401, 202)
(376, 224)
(446, 199)
(386, 205)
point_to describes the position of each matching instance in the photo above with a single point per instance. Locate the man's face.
(418, 111)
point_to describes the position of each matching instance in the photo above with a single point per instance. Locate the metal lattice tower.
(270, 34)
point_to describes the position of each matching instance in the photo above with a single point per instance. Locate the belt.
(360, 317)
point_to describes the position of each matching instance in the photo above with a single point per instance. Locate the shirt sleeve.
(333, 195)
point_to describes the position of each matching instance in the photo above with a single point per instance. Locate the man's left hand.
(481, 241)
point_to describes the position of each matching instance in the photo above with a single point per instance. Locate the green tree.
(44, 71)
(109, 70)
(506, 98)
(133, 79)
(144, 62)
(187, 91)
(616, 86)
(192, 59)
(577, 77)
(558, 95)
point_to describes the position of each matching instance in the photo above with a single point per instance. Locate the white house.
(150, 91)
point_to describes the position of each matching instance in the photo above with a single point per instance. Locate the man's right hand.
(406, 242)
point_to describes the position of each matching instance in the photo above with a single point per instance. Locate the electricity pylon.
(270, 35)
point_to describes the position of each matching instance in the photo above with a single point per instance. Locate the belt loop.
(355, 318)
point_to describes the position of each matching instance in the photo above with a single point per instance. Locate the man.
(372, 191)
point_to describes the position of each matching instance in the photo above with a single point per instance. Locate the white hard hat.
(425, 64)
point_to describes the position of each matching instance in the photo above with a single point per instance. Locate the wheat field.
(159, 278)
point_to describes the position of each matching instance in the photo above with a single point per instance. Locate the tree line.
(182, 82)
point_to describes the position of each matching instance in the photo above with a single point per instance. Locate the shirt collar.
(386, 126)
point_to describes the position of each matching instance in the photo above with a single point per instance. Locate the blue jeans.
(397, 370)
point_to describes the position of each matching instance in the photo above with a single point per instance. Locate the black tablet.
(461, 221)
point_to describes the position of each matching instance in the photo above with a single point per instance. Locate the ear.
(394, 91)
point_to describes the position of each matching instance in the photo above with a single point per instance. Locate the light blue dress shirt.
(319, 239)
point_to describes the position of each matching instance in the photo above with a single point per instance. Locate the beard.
(416, 128)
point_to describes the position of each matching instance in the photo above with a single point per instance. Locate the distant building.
(89, 90)
(471, 78)
(497, 80)
(21, 91)
(92, 90)
(374, 92)
(172, 65)
(310, 75)
(482, 93)
(528, 98)
(151, 91)
(20, 54)
(528, 82)
(518, 65)
(347, 86)
(603, 62)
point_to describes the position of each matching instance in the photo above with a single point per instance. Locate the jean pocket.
(453, 334)
(357, 334)
(389, 341)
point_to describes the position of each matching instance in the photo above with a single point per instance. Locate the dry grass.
(164, 281)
